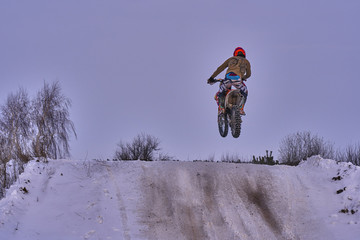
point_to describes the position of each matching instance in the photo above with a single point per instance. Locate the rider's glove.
(211, 80)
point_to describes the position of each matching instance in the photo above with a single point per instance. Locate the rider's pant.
(231, 79)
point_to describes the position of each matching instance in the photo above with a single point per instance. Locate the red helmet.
(240, 51)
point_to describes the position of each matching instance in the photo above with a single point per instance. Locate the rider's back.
(238, 65)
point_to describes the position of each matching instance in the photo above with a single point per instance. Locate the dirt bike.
(231, 116)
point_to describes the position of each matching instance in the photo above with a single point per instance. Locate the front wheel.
(223, 124)
(235, 122)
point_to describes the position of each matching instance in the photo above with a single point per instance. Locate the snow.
(69, 199)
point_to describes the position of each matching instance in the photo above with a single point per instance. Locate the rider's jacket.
(239, 65)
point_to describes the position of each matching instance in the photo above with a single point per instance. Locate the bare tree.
(42, 126)
(3, 161)
(143, 147)
(15, 125)
(301, 145)
(15, 134)
(3, 152)
(52, 121)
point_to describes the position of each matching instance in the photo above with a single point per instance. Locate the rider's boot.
(242, 112)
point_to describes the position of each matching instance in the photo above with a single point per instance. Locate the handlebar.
(211, 82)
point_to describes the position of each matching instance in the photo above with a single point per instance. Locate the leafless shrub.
(142, 147)
(302, 145)
(165, 157)
(350, 154)
(232, 158)
(267, 159)
(211, 157)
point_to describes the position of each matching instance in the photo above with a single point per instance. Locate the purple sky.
(135, 66)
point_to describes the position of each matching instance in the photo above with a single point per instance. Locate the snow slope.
(66, 199)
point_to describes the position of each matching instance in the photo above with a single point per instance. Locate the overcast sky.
(132, 66)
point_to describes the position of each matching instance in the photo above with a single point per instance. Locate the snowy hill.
(66, 199)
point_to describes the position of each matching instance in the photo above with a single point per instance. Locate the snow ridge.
(68, 199)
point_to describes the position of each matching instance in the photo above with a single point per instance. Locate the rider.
(238, 71)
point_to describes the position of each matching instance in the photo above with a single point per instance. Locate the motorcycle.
(231, 116)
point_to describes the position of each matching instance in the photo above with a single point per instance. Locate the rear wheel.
(223, 124)
(235, 122)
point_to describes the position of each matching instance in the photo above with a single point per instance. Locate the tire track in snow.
(121, 206)
(205, 201)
